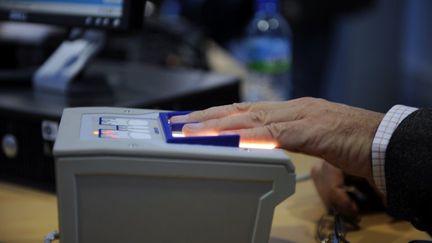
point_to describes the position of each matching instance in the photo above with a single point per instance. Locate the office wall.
(383, 56)
(417, 54)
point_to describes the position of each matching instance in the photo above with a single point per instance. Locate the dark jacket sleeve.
(408, 170)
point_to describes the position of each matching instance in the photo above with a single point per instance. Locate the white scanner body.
(118, 180)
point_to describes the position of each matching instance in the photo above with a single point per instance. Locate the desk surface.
(27, 215)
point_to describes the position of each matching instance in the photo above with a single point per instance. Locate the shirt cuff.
(381, 140)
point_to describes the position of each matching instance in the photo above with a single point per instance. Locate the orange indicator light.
(178, 135)
(257, 145)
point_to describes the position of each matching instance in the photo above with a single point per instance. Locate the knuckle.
(275, 130)
(241, 107)
(259, 117)
(307, 100)
(311, 102)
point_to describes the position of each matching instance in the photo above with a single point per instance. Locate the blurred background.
(367, 53)
(372, 54)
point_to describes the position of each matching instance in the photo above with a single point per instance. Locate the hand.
(329, 182)
(340, 134)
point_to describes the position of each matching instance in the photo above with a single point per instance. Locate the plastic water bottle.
(267, 54)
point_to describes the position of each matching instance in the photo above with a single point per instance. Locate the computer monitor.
(89, 20)
(103, 14)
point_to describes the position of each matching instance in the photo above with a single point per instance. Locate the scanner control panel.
(114, 127)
